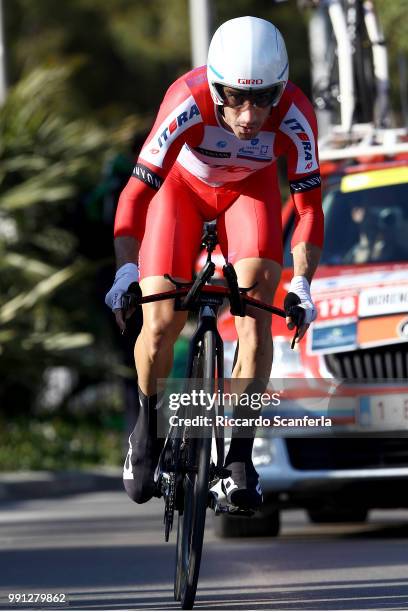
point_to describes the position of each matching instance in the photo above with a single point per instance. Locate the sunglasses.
(235, 98)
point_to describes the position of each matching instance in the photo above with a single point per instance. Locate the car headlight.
(264, 451)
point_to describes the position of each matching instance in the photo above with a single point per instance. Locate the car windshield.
(364, 226)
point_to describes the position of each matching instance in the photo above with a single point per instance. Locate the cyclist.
(211, 154)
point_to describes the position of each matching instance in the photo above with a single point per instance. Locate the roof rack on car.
(363, 140)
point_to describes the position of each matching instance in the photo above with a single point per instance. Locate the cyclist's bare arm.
(306, 257)
(126, 250)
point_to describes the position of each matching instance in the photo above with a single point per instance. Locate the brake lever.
(291, 303)
(130, 299)
(295, 337)
(178, 284)
(245, 290)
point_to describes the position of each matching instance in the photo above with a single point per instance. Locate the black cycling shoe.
(139, 468)
(242, 488)
(143, 455)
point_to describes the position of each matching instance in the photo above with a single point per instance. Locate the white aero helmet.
(247, 53)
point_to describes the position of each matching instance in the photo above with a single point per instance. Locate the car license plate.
(384, 412)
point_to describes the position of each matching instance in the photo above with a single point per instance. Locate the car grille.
(347, 453)
(378, 362)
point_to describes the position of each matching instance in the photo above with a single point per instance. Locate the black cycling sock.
(240, 450)
(242, 439)
(144, 451)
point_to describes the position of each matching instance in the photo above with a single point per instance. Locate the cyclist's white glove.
(125, 276)
(300, 286)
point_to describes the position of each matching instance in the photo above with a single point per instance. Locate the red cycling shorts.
(248, 217)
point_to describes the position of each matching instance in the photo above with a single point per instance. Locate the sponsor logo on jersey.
(299, 130)
(216, 170)
(210, 153)
(242, 81)
(255, 151)
(221, 144)
(144, 174)
(177, 122)
(251, 157)
(303, 136)
(305, 184)
(296, 126)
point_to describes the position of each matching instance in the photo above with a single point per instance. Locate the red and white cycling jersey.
(214, 154)
(189, 137)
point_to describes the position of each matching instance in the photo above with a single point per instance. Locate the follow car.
(354, 364)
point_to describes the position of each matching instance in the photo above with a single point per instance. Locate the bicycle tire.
(191, 523)
(196, 372)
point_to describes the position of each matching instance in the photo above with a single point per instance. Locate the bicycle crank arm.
(234, 511)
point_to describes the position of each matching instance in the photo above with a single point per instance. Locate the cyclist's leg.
(161, 328)
(254, 358)
(172, 237)
(257, 256)
(171, 242)
(251, 372)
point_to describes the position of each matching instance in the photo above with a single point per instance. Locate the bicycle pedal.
(217, 499)
(235, 511)
(215, 505)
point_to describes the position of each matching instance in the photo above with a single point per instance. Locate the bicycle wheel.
(191, 522)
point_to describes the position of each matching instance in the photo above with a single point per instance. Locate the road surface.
(104, 552)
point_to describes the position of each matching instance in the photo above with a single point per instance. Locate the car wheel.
(263, 523)
(338, 515)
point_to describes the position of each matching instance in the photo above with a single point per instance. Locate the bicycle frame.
(208, 322)
(185, 471)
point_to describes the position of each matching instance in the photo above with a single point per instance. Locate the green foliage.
(48, 159)
(393, 15)
(61, 442)
(137, 48)
(127, 52)
(394, 18)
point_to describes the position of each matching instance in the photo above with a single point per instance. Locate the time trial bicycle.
(191, 466)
